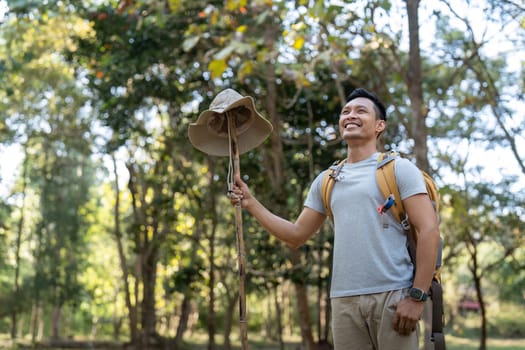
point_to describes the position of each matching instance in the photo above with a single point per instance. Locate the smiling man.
(373, 280)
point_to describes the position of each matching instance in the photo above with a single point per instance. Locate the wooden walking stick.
(230, 127)
(234, 159)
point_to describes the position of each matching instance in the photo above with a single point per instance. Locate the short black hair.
(379, 106)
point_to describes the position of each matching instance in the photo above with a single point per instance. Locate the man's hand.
(408, 313)
(239, 194)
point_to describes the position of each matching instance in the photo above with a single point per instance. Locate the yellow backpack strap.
(386, 180)
(327, 185)
(432, 190)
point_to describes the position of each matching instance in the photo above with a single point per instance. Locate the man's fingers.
(403, 326)
(395, 323)
(235, 195)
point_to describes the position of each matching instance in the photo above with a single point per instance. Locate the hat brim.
(215, 143)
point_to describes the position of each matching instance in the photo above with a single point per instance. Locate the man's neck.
(357, 154)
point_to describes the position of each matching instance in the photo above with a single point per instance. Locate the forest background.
(114, 228)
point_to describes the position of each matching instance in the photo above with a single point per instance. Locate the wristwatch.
(417, 294)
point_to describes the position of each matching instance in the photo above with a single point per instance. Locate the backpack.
(386, 180)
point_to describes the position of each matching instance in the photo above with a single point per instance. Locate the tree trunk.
(16, 284)
(419, 128)
(36, 320)
(288, 309)
(484, 323)
(35, 316)
(57, 307)
(183, 320)
(146, 242)
(415, 89)
(138, 220)
(477, 285)
(149, 277)
(212, 329)
(323, 291)
(186, 303)
(278, 317)
(55, 322)
(303, 309)
(132, 312)
(228, 319)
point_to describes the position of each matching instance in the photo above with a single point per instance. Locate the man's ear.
(380, 126)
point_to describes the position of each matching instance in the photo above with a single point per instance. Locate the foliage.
(506, 323)
(123, 79)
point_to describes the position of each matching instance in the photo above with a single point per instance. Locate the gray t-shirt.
(370, 253)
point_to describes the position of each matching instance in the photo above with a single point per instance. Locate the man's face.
(358, 120)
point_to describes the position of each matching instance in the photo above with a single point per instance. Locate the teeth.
(350, 124)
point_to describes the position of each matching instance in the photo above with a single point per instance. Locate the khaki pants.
(364, 322)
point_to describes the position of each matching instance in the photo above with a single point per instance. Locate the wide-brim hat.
(210, 132)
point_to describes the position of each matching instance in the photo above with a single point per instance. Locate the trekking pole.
(234, 154)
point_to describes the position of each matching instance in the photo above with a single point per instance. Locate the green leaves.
(190, 42)
(143, 71)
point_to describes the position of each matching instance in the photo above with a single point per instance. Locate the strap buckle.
(405, 223)
(335, 170)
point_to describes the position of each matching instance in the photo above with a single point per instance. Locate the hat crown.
(242, 119)
(224, 99)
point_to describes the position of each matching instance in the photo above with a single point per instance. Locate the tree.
(45, 115)
(483, 221)
(148, 67)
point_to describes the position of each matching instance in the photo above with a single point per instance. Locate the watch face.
(416, 293)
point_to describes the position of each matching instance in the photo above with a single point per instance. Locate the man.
(372, 270)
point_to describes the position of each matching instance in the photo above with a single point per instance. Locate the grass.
(453, 343)
(457, 343)
(255, 342)
(259, 343)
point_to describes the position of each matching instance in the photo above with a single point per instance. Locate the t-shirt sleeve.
(313, 199)
(409, 179)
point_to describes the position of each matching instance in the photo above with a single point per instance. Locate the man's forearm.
(426, 255)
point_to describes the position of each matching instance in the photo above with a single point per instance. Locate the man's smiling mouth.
(351, 124)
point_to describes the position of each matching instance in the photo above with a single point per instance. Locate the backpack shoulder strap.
(386, 180)
(329, 179)
(432, 191)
